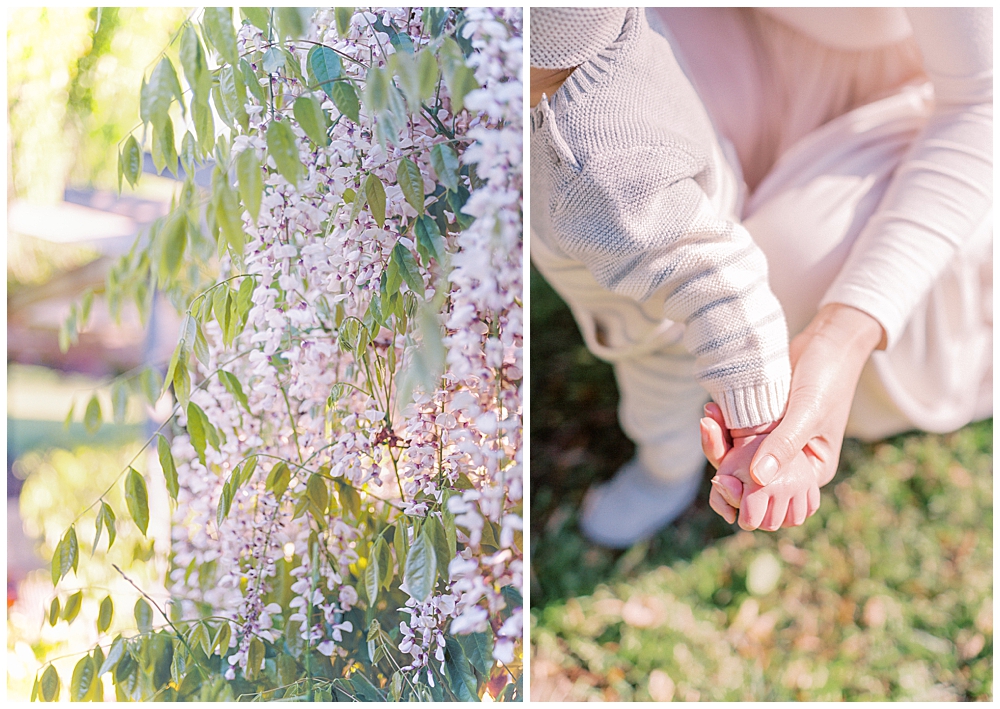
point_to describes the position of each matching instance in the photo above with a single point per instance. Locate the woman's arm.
(943, 190)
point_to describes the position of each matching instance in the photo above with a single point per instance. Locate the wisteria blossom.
(359, 429)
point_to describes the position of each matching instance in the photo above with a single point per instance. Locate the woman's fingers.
(717, 503)
(812, 501)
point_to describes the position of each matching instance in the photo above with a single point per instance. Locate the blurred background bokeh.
(73, 78)
(885, 594)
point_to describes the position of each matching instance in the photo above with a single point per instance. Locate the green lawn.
(886, 593)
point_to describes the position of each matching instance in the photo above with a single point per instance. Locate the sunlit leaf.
(430, 243)
(375, 194)
(131, 160)
(255, 657)
(105, 615)
(258, 16)
(72, 608)
(420, 571)
(54, 611)
(167, 465)
(92, 415)
(143, 615)
(137, 499)
(219, 31)
(50, 685)
(311, 119)
(281, 146)
(410, 181)
(115, 654)
(83, 677)
(372, 580)
(251, 183)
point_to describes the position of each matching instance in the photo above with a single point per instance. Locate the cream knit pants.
(805, 215)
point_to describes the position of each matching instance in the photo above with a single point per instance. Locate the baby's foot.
(635, 505)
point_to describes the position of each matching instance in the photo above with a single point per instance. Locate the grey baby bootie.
(634, 505)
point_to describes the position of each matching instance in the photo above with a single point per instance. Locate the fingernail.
(706, 410)
(766, 469)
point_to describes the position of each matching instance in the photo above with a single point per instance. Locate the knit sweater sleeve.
(642, 225)
(942, 193)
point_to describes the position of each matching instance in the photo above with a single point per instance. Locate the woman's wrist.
(855, 330)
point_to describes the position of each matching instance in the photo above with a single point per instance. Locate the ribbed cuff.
(754, 405)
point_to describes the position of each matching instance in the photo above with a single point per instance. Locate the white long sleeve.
(943, 190)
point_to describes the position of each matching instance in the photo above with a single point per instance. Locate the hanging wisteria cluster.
(347, 463)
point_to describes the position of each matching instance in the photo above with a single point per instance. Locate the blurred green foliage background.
(72, 95)
(885, 594)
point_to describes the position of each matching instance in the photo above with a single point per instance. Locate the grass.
(886, 593)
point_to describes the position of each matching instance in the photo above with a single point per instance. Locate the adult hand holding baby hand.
(771, 478)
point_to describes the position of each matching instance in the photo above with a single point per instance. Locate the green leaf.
(137, 499)
(68, 552)
(219, 31)
(343, 16)
(189, 153)
(318, 493)
(193, 62)
(459, 78)
(150, 384)
(311, 119)
(430, 243)
(444, 160)
(258, 16)
(72, 609)
(227, 214)
(384, 557)
(375, 194)
(408, 75)
(225, 503)
(282, 147)
(182, 380)
(324, 67)
(92, 416)
(349, 498)
(377, 86)
(410, 181)
(197, 429)
(143, 615)
(255, 658)
(420, 571)
(115, 654)
(54, 611)
(427, 71)
(105, 615)
(252, 82)
(83, 678)
(436, 534)
(119, 400)
(131, 160)
(234, 94)
(345, 98)
(167, 465)
(408, 268)
(50, 684)
(106, 518)
(400, 543)
(278, 479)
(204, 124)
(221, 641)
(251, 182)
(156, 96)
(174, 237)
(460, 678)
(290, 22)
(234, 387)
(372, 579)
(164, 148)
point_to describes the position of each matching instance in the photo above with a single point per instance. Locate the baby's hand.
(788, 500)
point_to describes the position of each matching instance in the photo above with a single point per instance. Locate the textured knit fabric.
(566, 37)
(628, 179)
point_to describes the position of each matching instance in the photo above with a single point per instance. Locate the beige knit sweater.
(627, 178)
